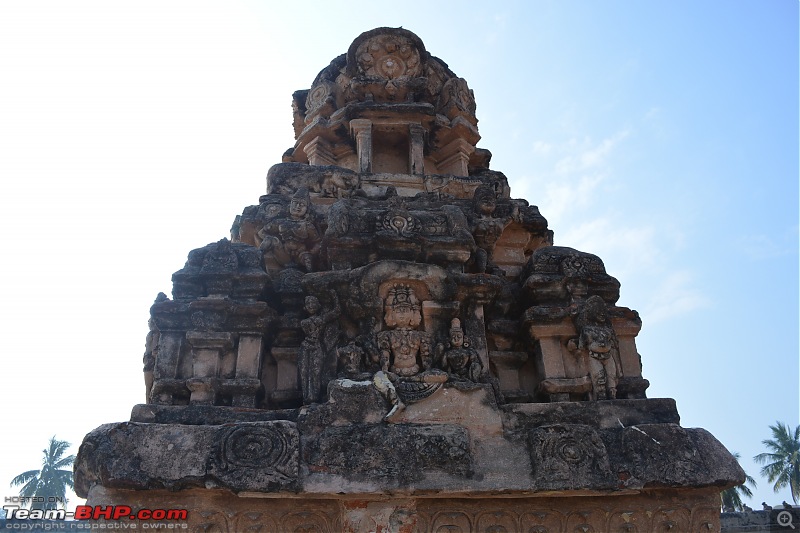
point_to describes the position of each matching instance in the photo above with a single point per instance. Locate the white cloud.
(675, 296)
(760, 246)
(542, 148)
(590, 155)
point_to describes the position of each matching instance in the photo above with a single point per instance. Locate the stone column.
(208, 349)
(165, 370)
(416, 149)
(557, 380)
(626, 331)
(248, 370)
(319, 152)
(362, 129)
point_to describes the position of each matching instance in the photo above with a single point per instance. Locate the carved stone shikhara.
(389, 340)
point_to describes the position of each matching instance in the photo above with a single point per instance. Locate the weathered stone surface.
(255, 456)
(392, 455)
(568, 457)
(600, 414)
(455, 445)
(206, 414)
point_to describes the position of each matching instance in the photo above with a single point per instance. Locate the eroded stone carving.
(293, 240)
(486, 228)
(459, 359)
(315, 365)
(567, 456)
(598, 341)
(405, 351)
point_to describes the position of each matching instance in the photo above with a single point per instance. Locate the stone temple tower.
(390, 342)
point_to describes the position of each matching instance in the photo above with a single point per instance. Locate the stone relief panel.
(569, 456)
(293, 239)
(264, 455)
(395, 454)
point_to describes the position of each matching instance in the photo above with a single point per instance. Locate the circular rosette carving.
(257, 456)
(254, 447)
(570, 450)
(389, 57)
(569, 456)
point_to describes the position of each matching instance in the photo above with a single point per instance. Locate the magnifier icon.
(785, 519)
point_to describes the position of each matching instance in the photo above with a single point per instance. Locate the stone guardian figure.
(597, 339)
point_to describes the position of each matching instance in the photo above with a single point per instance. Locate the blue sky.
(661, 135)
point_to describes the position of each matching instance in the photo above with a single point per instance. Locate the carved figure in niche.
(351, 362)
(405, 351)
(312, 363)
(294, 239)
(460, 360)
(598, 340)
(486, 229)
(150, 354)
(151, 349)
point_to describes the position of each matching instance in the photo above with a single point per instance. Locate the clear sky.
(660, 135)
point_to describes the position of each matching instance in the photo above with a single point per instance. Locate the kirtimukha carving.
(390, 341)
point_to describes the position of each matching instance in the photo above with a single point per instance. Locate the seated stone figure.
(460, 360)
(294, 239)
(405, 351)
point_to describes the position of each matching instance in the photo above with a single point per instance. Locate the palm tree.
(48, 487)
(782, 463)
(732, 498)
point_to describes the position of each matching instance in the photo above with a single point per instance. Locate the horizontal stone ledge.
(599, 414)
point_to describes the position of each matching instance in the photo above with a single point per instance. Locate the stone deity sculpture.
(460, 360)
(294, 239)
(404, 351)
(312, 360)
(486, 229)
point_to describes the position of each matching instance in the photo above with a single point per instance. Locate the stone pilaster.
(362, 130)
(319, 152)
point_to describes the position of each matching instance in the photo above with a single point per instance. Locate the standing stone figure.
(598, 340)
(312, 361)
(296, 239)
(486, 229)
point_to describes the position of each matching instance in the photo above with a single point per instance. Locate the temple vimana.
(389, 341)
